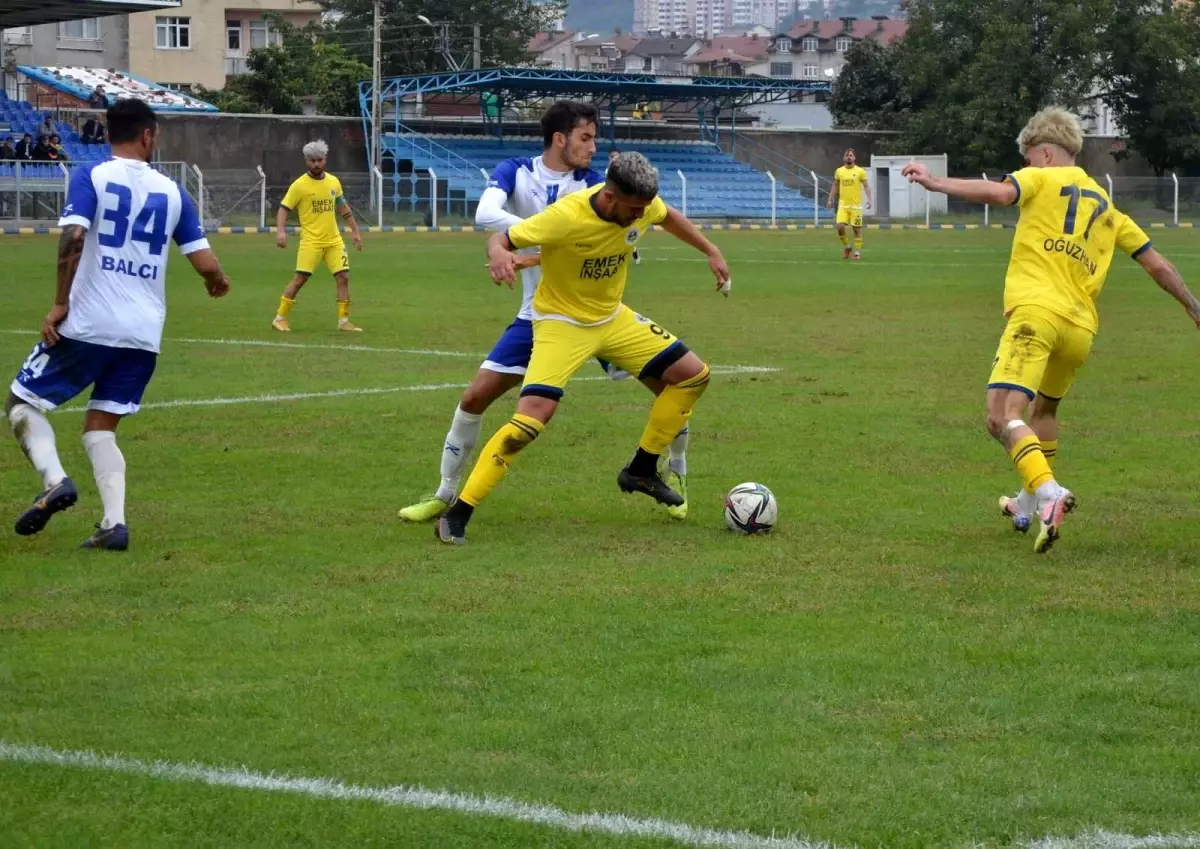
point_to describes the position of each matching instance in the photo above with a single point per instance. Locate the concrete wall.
(244, 141)
(109, 50)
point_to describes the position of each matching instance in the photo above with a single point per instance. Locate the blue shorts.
(511, 353)
(53, 376)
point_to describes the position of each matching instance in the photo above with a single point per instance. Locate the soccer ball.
(751, 508)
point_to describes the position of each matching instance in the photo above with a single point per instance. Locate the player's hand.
(503, 268)
(217, 288)
(917, 173)
(527, 261)
(281, 238)
(356, 237)
(720, 270)
(56, 316)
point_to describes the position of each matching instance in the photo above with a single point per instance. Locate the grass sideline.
(893, 667)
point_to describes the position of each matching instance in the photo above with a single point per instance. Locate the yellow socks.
(845, 239)
(1050, 450)
(858, 243)
(343, 308)
(499, 453)
(1031, 463)
(285, 306)
(671, 411)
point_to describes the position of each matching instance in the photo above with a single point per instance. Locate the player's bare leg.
(288, 300)
(845, 240)
(108, 465)
(676, 476)
(342, 278)
(36, 437)
(1005, 411)
(487, 387)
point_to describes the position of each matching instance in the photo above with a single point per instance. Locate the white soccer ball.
(751, 508)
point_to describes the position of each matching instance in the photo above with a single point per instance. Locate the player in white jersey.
(521, 188)
(105, 328)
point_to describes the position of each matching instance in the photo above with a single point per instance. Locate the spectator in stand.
(98, 99)
(47, 128)
(7, 150)
(58, 153)
(25, 148)
(92, 132)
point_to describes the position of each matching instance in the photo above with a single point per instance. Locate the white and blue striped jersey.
(131, 211)
(521, 188)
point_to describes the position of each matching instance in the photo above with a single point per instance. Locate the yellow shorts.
(1040, 353)
(853, 217)
(308, 257)
(630, 341)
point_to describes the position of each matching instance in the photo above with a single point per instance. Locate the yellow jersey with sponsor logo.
(1064, 244)
(850, 182)
(585, 257)
(316, 202)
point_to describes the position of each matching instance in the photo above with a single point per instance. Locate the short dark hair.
(566, 115)
(615, 151)
(128, 118)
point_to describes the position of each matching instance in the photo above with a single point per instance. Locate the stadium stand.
(718, 185)
(18, 117)
(79, 82)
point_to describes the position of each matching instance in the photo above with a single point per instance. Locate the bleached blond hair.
(316, 148)
(1052, 126)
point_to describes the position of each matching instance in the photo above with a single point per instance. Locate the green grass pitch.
(892, 667)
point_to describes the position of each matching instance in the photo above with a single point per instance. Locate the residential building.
(206, 41)
(660, 56)
(91, 42)
(816, 50)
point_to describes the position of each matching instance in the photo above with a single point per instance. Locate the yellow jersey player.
(586, 239)
(317, 198)
(1064, 243)
(850, 187)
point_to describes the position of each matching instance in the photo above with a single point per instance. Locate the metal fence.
(33, 194)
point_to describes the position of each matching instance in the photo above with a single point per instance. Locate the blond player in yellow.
(587, 239)
(850, 187)
(317, 199)
(1064, 243)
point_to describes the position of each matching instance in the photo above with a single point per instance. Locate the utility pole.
(376, 84)
(476, 51)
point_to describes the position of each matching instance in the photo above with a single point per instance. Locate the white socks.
(677, 454)
(460, 442)
(109, 466)
(36, 438)
(1026, 503)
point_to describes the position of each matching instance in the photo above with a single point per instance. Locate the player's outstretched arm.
(490, 214)
(685, 231)
(209, 267)
(974, 191)
(281, 217)
(70, 249)
(1169, 280)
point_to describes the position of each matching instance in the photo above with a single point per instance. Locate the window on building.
(809, 72)
(781, 69)
(173, 33)
(647, 64)
(233, 36)
(18, 35)
(783, 45)
(263, 34)
(809, 45)
(842, 44)
(88, 28)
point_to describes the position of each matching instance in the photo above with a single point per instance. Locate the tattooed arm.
(70, 249)
(1168, 279)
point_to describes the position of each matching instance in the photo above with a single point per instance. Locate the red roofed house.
(816, 50)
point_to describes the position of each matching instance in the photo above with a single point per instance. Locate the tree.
(870, 93)
(1154, 82)
(304, 63)
(410, 46)
(975, 70)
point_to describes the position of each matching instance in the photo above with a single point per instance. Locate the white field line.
(273, 397)
(419, 798)
(503, 807)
